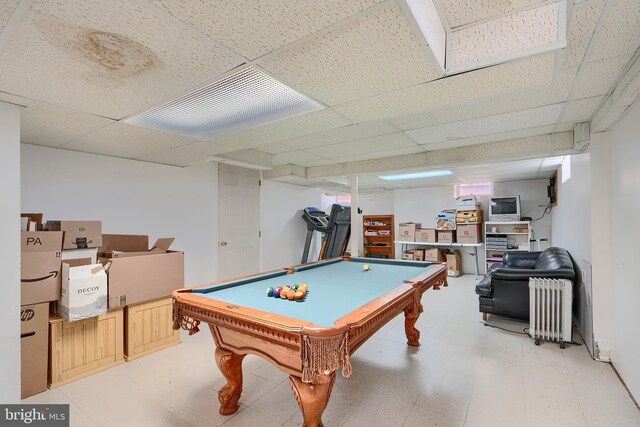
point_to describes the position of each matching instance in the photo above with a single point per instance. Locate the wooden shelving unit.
(380, 244)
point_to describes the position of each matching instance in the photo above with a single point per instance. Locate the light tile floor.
(464, 374)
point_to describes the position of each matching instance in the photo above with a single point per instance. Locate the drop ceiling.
(80, 69)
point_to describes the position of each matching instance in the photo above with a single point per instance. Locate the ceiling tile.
(110, 58)
(54, 126)
(346, 133)
(7, 7)
(468, 87)
(621, 32)
(128, 141)
(284, 129)
(344, 64)
(462, 12)
(394, 141)
(538, 96)
(256, 27)
(598, 77)
(276, 148)
(517, 35)
(487, 125)
(580, 30)
(580, 110)
(295, 157)
(198, 152)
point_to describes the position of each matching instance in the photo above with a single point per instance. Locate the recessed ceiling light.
(245, 99)
(416, 175)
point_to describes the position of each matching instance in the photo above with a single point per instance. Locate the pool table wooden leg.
(312, 398)
(411, 314)
(230, 365)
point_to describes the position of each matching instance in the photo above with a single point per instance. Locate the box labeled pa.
(84, 292)
(40, 266)
(78, 234)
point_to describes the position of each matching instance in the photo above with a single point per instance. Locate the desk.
(475, 247)
(309, 340)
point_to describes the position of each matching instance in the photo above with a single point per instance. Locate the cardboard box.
(446, 220)
(407, 231)
(418, 254)
(76, 257)
(427, 235)
(82, 348)
(34, 348)
(446, 236)
(137, 273)
(84, 292)
(78, 234)
(434, 255)
(467, 203)
(454, 264)
(407, 255)
(469, 216)
(469, 233)
(148, 328)
(41, 257)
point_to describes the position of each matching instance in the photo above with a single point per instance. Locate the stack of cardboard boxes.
(77, 282)
(460, 225)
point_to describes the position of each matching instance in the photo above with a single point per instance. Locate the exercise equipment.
(335, 229)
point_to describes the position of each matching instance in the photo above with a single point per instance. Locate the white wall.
(283, 229)
(423, 204)
(377, 203)
(625, 235)
(572, 231)
(10, 253)
(129, 197)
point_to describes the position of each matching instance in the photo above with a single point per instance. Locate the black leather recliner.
(504, 290)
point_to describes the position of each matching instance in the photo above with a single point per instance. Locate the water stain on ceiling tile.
(116, 54)
(109, 56)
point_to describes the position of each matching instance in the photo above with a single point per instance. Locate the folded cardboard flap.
(121, 246)
(123, 243)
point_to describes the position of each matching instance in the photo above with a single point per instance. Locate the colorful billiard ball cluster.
(291, 293)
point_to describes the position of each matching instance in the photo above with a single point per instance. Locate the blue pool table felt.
(334, 289)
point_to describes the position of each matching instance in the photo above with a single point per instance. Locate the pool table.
(310, 339)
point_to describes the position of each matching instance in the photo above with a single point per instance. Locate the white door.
(239, 221)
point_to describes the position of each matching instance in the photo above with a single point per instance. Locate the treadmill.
(335, 228)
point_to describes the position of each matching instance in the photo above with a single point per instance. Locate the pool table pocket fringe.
(323, 355)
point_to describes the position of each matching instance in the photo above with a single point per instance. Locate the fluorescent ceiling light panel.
(416, 175)
(245, 99)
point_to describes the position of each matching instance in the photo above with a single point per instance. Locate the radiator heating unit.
(550, 310)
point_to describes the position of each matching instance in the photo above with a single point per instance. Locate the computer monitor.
(504, 208)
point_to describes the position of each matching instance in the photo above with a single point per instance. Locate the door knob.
(223, 243)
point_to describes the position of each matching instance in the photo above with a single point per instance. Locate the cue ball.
(365, 267)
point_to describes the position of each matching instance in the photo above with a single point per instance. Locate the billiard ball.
(291, 295)
(270, 292)
(365, 267)
(276, 292)
(299, 295)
